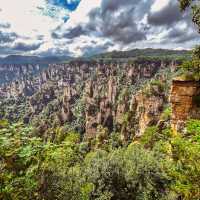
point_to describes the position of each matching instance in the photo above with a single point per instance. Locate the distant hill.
(18, 59)
(149, 52)
(114, 55)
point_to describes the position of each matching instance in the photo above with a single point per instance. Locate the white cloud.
(29, 22)
(80, 15)
(23, 17)
(159, 5)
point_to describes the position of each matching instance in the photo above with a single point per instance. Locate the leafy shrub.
(166, 114)
(193, 127)
(126, 174)
(191, 70)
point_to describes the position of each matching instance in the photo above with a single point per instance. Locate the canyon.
(121, 96)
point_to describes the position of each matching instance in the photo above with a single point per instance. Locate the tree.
(127, 173)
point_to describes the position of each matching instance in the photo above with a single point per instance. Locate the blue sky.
(85, 27)
(67, 4)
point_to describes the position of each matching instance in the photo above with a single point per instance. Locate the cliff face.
(148, 107)
(185, 101)
(127, 113)
(99, 109)
(94, 94)
(11, 72)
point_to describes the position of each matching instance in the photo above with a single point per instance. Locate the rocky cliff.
(11, 72)
(185, 101)
(91, 94)
(148, 111)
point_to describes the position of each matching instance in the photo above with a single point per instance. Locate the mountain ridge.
(20, 59)
(149, 52)
(129, 54)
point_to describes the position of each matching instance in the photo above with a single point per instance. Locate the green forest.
(160, 165)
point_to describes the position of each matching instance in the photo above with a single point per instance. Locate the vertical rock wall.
(185, 101)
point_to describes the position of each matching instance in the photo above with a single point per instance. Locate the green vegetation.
(157, 166)
(166, 114)
(191, 69)
(154, 88)
(144, 54)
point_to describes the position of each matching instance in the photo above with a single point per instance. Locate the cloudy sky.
(85, 27)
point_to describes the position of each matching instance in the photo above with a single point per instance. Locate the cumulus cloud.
(56, 52)
(71, 33)
(90, 50)
(166, 16)
(132, 23)
(20, 46)
(7, 37)
(87, 27)
(115, 20)
(4, 25)
(180, 35)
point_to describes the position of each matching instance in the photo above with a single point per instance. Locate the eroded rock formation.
(185, 101)
(148, 108)
(110, 93)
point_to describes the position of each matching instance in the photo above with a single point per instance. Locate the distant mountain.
(149, 52)
(18, 59)
(114, 55)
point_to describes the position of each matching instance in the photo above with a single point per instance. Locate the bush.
(191, 70)
(166, 114)
(193, 129)
(131, 173)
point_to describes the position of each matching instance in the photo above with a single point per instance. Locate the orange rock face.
(184, 100)
(148, 111)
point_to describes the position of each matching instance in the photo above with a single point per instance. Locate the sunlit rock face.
(116, 107)
(66, 112)
(110, 94)
(185, 101)
(147, 109)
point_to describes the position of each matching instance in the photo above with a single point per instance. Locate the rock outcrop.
(109, 92)
(147, 108)
(185, 101)
(66, 114)
(11, 72)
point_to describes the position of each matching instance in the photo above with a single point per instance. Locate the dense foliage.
(159, 165)
(148, 54)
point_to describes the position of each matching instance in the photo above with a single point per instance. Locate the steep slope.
(88, 95)
(185, 101)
